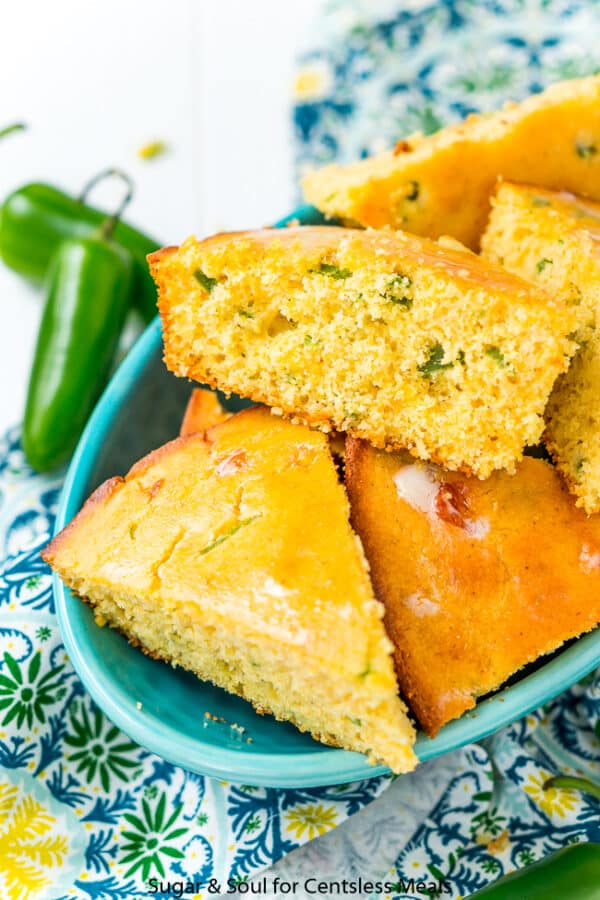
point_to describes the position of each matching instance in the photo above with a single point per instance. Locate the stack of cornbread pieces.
(445, 321)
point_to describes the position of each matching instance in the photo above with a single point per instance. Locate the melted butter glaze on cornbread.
(383, 334)
(441, 184)
(478, 578)
(553, 239)
(232, 555)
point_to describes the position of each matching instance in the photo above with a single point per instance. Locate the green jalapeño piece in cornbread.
(553, 239)
(441, 184)
(382, 334)
(230, 553)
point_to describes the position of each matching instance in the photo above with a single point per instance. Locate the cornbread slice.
(231, 555)
(478, 578)
(554, 241)
(441, 184)
(202, 412)
(379, 333)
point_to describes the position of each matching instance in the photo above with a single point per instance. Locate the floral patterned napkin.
(472, 815)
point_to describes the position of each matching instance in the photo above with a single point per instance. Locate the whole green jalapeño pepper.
(572, 873)
(35, 219)
(88, 295)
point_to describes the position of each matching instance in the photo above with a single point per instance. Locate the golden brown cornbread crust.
(414, 370)
(494, 574)
(102, 492)
(200, 556)
(552, 239)
(441, 184)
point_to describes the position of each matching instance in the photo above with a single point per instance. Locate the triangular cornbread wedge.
(382, 334)
(231, 555)
(441, 184)
(478, 578)
(553, 240)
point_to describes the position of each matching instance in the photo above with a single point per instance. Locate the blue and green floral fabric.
(468, 817)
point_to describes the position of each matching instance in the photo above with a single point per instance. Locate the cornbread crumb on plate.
(378, 333)
(441, 184)
(230, 554)
(478, 578)
(552, 239)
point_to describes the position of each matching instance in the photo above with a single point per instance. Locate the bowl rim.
(312, 768)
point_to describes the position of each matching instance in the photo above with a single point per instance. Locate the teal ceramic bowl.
(163, 708)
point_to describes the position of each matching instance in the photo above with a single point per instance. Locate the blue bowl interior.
(164, 708)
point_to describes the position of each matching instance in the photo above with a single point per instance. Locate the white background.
(96, 80)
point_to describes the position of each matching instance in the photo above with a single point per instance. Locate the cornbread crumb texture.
(231, 555)
(379, 333)
(494, 573)
(441, 184)
(552, 240)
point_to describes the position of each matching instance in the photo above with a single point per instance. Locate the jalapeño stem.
(574, 783)
(108, 226)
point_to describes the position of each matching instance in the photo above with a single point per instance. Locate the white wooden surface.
(97, 80)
